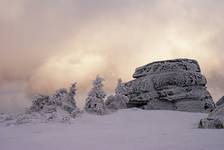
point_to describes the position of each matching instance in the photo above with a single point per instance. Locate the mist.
(46, 45)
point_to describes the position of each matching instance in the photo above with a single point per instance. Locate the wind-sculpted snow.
(173, 84)
(35, 117)
(126, 129)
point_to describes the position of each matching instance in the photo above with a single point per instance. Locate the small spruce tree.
(95, 99)
(120, 89)
(119, 100)
(70, 104)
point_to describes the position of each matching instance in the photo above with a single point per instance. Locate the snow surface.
(131, 129)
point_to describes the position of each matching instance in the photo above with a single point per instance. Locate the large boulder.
(215, 119)
(171, 85)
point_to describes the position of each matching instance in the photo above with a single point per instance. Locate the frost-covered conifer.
(70, 104)
(95, 99)
(58, 97)
(39, 102)
(119, 100)
(73, 89)
(120, 89)
(58, 107)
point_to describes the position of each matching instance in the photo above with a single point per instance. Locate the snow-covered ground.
(131, 129)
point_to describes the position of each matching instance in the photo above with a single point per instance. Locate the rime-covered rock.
(220, 102)
(175, 65)
(173, 84)
(215, 119)
(95, 100)
(208, 123)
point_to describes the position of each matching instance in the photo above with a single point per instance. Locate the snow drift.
(128, 129)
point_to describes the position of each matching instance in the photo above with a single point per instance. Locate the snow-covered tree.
(73, 89)
(95, 99)
(69, 104)
(60, 106)
(119, 100)
(120, 89)
(59, 97)
(39, 102)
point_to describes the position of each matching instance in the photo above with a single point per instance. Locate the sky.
(49, 44)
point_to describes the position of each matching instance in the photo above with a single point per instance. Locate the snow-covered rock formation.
(117, 101)
(220, 102)
(95, 100)
(215, 119)
(172, 85)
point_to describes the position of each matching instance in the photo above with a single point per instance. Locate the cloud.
(47, 45)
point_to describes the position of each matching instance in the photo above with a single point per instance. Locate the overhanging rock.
(171, 85)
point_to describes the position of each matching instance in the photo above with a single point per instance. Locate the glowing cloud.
(47, 45)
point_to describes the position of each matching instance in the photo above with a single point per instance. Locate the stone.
(175, 65)
(215, 119)
(171, 85)
(160, 105)
(220, 102)
(208, 123)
